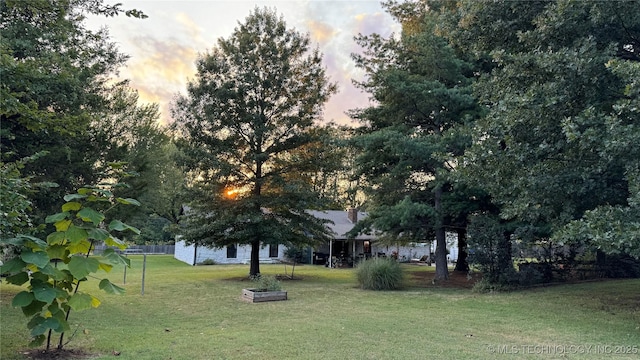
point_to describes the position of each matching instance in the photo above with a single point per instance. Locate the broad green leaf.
(84, 191)
(56, 238)
(17, 241)
(38, 258)
(37, 341)
(14, 265)
(114, 241)
(116, 259)
(80, 301)
(18, 279)
(110, 288)
(44, 326)
(55, 274)
(57, 252)
(98, 234)
(81, 247)
(76, 234)
(80, 266)
(35, 321)
(55, 311)
(33, 242)
(56, 217)
(61, 294)
(24, 240)
(128, 201)
(62, 225)
(43, 291)
(106, 267)
(33, 308)
(38, 276)
(120, 226)
(22, 298)
(89, 215)
(71, 206)
(71, 197)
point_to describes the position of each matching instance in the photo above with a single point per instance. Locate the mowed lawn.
(196, 313)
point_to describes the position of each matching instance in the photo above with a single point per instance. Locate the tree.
(615, 229)
(412, 136)
(245, 120)
(555, 146)
(130, 133)
(15, 207)
(52, 289)
(55, 75)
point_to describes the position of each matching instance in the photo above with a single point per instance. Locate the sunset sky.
(163, 48)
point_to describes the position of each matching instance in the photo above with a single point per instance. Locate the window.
(232, 251)
(273, 250)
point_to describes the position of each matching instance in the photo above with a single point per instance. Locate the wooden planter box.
(257, 295)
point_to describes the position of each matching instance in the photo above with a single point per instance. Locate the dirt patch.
(457, 280)
(58, 354)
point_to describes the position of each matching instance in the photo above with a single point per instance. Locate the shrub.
(491, 250)
(207, 262)
(484, 286)
(379, 274)
(268, 283)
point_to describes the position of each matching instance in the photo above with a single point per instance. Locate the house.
(342, 251)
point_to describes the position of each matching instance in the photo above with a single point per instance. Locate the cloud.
(164, 48)
(321, 32)
(160, 69)
(193, 30)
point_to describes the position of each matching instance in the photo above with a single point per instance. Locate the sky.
(163, 48)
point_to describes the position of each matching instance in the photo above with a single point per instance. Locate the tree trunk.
(462, 264)
(442, 272)
(254, 269)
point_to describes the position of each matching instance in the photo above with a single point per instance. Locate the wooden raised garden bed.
(257, 295)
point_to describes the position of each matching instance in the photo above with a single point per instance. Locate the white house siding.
(192, 256)
(184, 253)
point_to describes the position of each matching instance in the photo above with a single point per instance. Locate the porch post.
(330, 253)
(353, 252)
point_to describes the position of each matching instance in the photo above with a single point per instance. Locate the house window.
(232, 251)
(273, 250)
(366, 247)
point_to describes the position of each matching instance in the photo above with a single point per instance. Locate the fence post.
(144, 267)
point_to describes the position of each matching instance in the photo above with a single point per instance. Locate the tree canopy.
(411, 138)
(56, 87)
(555, 147)
(248, 122)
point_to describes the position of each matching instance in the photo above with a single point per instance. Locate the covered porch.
(344, 252)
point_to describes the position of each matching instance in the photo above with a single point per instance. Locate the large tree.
(411, 137)
(561, 90)
(55, 84)
(246, 120)
(129, 133)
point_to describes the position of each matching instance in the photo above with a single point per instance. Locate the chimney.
(352, 215)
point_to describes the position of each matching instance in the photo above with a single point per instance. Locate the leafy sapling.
(53, 269)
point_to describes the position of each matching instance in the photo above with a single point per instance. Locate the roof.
(341, 223)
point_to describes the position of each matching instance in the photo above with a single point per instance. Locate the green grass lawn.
(196, 313)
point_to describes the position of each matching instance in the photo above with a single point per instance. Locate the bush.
(379, 274)
(268, 283)
(207, 262)
(491, 250)
(484, 286)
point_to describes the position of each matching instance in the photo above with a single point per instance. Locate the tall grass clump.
(379, 274)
